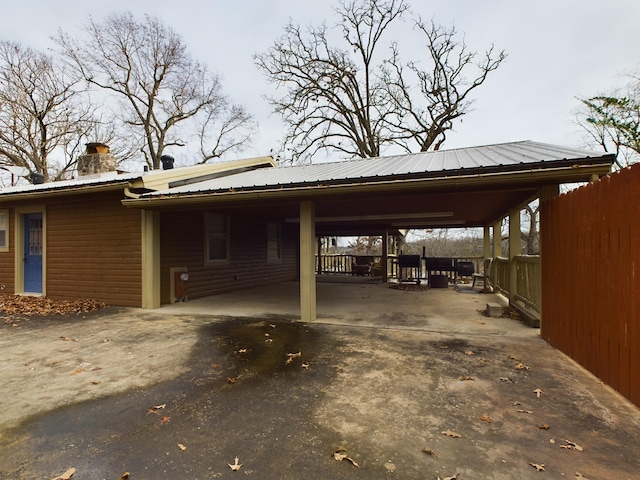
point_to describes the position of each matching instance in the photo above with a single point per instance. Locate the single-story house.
(126, 238)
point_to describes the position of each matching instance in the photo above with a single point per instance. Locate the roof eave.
(66, 190)
(565, 174)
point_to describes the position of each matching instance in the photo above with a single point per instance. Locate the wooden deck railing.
(528, 275)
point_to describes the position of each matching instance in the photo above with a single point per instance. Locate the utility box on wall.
(179, 285)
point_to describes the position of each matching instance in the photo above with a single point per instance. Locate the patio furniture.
(412, 264)
(484, 276)
(438, 266)
(361, 265)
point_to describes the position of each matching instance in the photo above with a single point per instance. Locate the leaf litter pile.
(15, 307)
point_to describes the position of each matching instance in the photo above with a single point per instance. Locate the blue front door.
(33, 253)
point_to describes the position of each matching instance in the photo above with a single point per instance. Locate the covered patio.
(471, 187)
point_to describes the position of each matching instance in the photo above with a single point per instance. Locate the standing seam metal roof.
(501, 157)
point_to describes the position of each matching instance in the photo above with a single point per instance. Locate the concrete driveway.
(407, 384)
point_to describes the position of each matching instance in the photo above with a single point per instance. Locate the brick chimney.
(96, 159)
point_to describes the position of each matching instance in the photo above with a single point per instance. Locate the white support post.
(307, 262)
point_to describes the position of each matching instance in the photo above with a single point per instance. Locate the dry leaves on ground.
(538, 467)
(38, 306)
(452, 434)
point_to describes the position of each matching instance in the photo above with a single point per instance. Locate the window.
(4, 230)
(274, 241)
(217, 238)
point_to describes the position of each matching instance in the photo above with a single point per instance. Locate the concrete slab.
(391, 376)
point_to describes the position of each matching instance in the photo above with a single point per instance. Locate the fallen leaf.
(269, 340)
(236, 466)
(552, 441)
(428, 451)
(67, 339)
(544, 426)
(272, 325)
(469, 352)
(231, 380)
(341, 454)
(165, 420)
(267, 334)
(449, 433)
(524, 411)
(539, 468)
(305, 365)
(486, 418)
(66, 475)
(242, 350)
(516, 403)
(77, 371)
(538, 392)
(182, 447)
(506, 379)
(464, 379)
(580, 476)
(569, 445)
(125, 476)
(522, 366)
(454, 477)
(155, 408)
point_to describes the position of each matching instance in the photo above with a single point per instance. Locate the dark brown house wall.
(7, 266)
(182, 245)
(94, 249)
(591, 278)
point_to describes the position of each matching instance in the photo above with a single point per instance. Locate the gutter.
(550, 175)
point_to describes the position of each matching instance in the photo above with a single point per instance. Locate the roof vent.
(167, 162)
(36, 178)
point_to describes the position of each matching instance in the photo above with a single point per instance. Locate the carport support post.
(307, 261)
(497, 238)
(385, 256)
(486, 242)
(150, 259)
(515, 249)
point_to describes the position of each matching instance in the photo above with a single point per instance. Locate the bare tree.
(612, 121)
(346, 97)
(42, 110)
(165, 94)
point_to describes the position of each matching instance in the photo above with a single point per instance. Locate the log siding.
(183, 245)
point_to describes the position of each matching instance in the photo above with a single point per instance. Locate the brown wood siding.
(94, 249)
(7, 265)
(591, 278)
(182, 245)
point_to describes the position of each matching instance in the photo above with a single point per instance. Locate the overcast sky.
(558, 50)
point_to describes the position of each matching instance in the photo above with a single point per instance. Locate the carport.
(469, 187)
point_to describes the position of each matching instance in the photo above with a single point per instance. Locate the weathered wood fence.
(591, 278)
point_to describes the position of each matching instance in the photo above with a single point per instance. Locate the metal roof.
(516, 156)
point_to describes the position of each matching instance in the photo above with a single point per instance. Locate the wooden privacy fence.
(591, 278)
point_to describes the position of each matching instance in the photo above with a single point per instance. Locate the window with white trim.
(216, 238)
(274, 242)
(4, 230)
